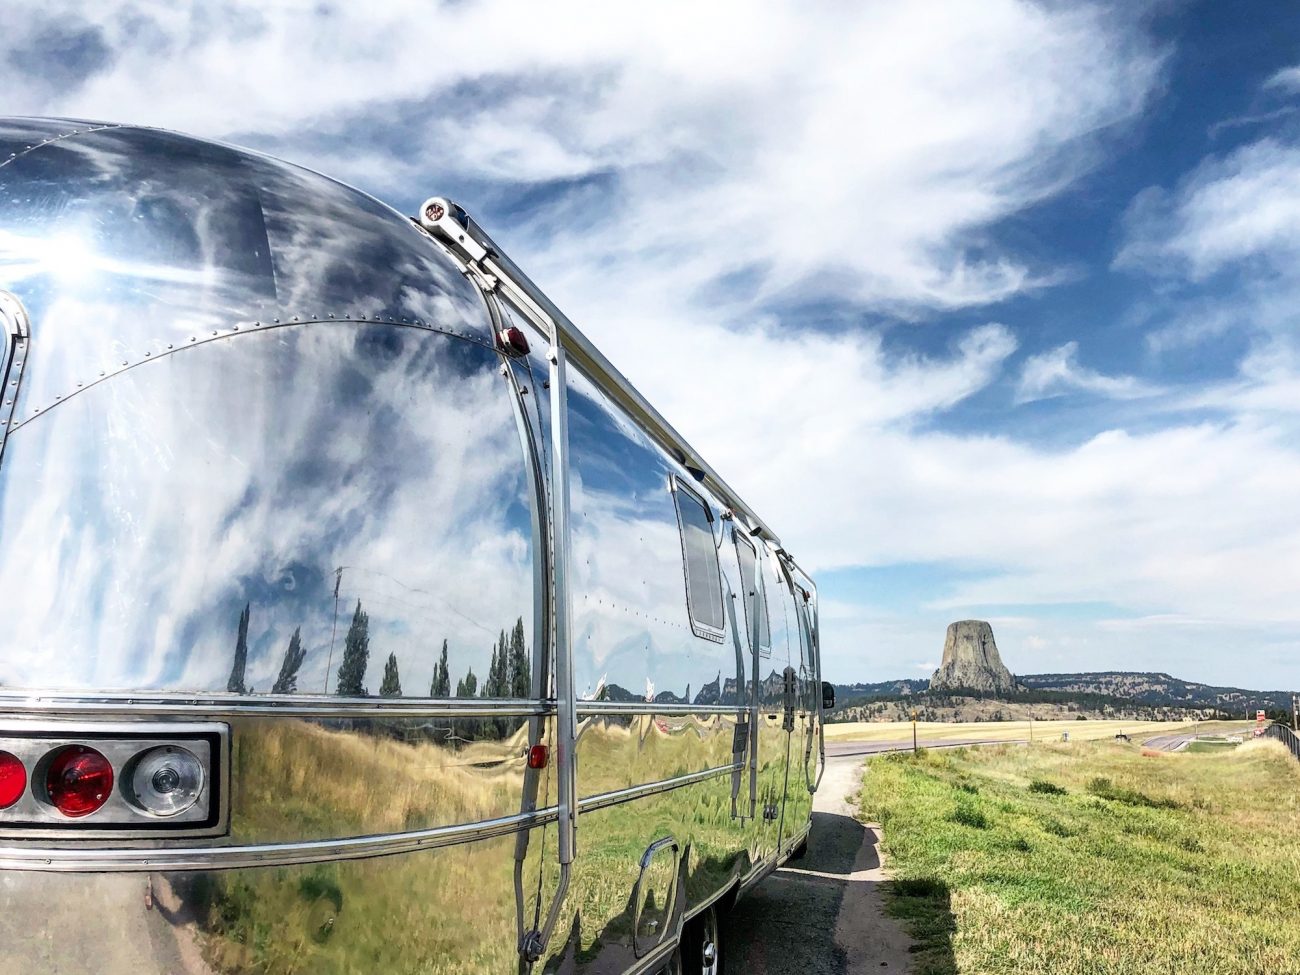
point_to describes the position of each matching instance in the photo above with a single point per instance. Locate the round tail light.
(79, 781)
(13, 779)
(166, 780)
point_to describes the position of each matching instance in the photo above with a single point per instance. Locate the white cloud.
(860, 150)
(1288, 79)
(1058, 372)
(1243, 209)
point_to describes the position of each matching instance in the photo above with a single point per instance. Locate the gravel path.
(822, 915)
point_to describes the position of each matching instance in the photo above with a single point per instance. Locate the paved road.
(846, 749)
(1169, 743)
(821, 915)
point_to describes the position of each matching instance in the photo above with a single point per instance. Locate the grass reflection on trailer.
(371, 620)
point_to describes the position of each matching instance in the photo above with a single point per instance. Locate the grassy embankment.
(901, 731)
(1092, 858)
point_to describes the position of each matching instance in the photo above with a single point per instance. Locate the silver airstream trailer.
(359, 616)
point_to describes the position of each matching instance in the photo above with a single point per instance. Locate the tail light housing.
(124, 780)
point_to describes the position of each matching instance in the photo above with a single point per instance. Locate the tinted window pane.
(703, 584)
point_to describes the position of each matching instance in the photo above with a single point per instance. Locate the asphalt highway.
(1169, 743)
(851, 749)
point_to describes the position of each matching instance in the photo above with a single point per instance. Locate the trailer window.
(700, 557)
(755, 599)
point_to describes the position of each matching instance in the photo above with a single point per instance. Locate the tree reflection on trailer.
(274, 460)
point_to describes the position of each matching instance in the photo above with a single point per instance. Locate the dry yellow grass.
(901, 731)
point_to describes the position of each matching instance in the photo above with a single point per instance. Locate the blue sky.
(991, 309)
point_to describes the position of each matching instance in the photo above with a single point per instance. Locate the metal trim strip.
(16, 327)
(136, 860)
(40, 704)
(522, 291)
(596, 708)
(91, 127)
(246, 327)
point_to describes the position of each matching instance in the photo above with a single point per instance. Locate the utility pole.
(913, 731)
(1295, 713)
(334, 629)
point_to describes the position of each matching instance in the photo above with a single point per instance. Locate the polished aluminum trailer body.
(487, 669)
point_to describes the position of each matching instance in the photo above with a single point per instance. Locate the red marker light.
(513, 341)
(538, 756)
(13, 779)
(79, 781)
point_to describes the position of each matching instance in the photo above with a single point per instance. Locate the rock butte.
(971, 661)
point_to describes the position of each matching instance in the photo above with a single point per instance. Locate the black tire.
(701, 945)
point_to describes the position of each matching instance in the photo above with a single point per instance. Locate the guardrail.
(1286, 736)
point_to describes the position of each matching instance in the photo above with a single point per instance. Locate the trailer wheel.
(700, 950)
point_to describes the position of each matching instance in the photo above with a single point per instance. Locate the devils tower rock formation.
(971, 661)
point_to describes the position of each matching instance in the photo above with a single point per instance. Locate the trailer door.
(810, 680)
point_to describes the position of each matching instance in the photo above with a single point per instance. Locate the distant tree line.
(509, 673)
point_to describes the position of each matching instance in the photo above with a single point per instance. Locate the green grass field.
(1093, 858)
(1203, 747)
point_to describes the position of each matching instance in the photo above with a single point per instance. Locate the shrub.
(1058, 828)
(1106, 789)
(967, 814)
(1046, 788)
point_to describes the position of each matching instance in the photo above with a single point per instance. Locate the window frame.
(701, 628)
(764, 650)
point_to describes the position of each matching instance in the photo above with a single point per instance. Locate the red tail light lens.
(79, 781)
(13, 779)
(538, 756)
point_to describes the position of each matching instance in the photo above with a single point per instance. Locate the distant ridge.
(1128, 693)
(1147, 687)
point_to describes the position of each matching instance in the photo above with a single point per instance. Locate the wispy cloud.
(1288, 79)
(1242, 207)
(1058, 372)
(866, 157)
